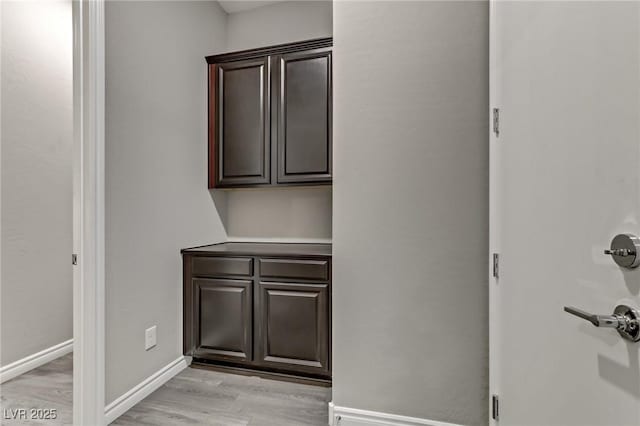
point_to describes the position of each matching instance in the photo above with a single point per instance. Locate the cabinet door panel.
(293, 327)
(243, 116)
(304, 131)
(223, 317)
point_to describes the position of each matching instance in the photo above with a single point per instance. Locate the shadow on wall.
(624, 377)
(219, 199)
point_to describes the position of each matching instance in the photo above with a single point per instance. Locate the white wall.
(37, 137)
(279, 23)
(282, 212)
(156, 170)
(410, 291)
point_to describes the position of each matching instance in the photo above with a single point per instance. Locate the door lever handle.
(624, 319)
(609, 321)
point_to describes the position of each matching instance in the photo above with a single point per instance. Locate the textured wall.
(411, 159)
(156, 171)
(37, 138)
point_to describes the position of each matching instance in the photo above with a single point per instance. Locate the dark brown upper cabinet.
(243, 122)
(270, 116)
(304, 111)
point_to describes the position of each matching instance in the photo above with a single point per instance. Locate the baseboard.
(344, 416)
(36, 360)
(264, 374)
(143, 389)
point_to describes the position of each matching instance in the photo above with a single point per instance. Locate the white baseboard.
(36, 360)
(344, 416)
(143, 389)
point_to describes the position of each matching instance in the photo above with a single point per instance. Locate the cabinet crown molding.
(297, 46)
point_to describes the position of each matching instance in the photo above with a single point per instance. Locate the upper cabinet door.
(304, 117)
(242, 116)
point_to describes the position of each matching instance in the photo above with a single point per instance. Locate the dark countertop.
(264, 249)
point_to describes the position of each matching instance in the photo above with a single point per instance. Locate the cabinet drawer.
(222, 266)
(296, 269)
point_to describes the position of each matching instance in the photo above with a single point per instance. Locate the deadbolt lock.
(624, 250)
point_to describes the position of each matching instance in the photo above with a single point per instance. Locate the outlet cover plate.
(150, 338)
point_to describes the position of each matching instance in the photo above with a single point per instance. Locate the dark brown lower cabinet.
(292, 322)
(224, 312)
(278, 322)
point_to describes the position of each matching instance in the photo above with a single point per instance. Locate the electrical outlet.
(150, 338)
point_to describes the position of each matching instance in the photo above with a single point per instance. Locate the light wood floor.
(198, 396)
(194, 397)
(46, 387)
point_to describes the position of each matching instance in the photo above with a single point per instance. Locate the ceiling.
(233, 6)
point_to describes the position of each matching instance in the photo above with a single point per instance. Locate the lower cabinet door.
(223, 317)
(292, 327)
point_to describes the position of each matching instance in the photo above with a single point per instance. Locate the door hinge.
(496, 265)
(74, 259)
(495, 407)
(496, 121)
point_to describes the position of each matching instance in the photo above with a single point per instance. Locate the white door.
(565, 179)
